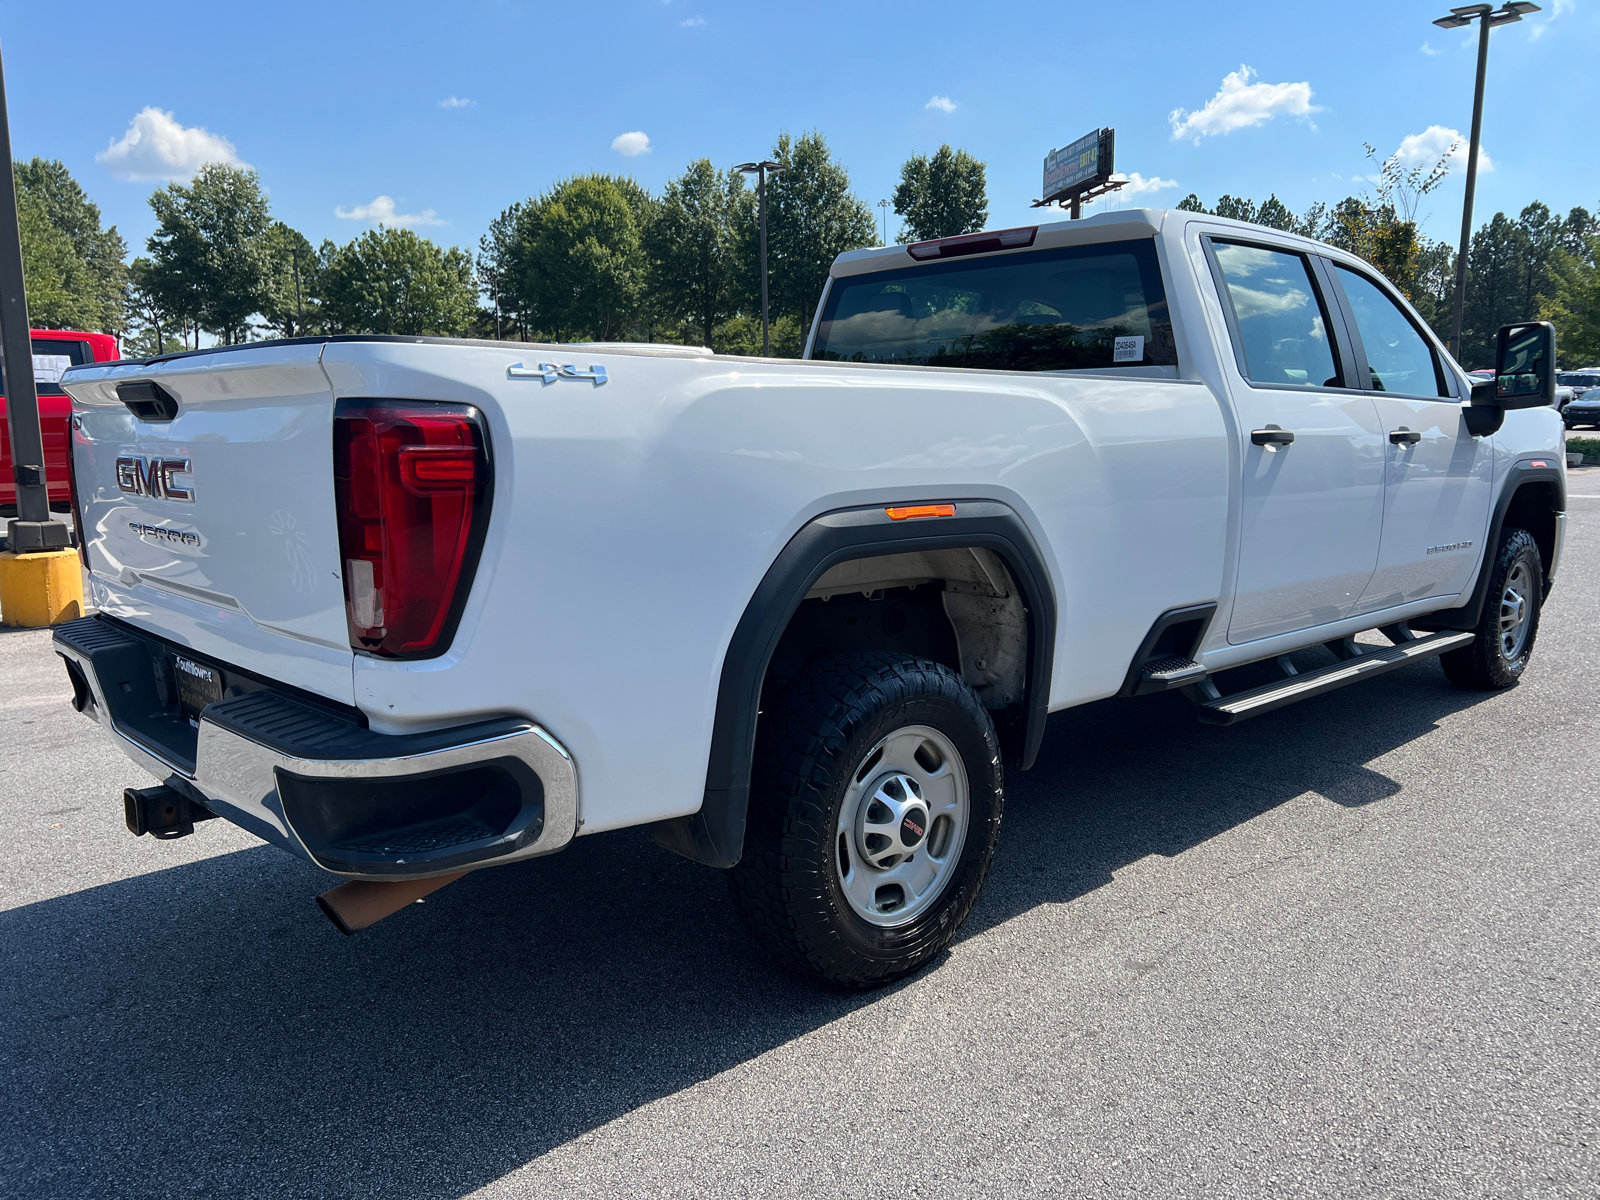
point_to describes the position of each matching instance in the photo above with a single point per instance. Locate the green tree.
(1275, 214)
(1236, 209)
(288, 305)
(156, 327)
(210, 253)
(578, 264)
(1574, 307)
(812, 218)
(498, 273)
(393, 281)
(53, 271)
(941, 196)
(693, 246)
(1495, 287)
(87, 280)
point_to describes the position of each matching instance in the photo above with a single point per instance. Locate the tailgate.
(217, 529)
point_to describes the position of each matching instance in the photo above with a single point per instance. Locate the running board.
(1241, 706)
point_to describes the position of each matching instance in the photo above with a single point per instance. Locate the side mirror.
(1525, 366)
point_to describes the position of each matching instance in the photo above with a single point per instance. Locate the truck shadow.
(202, 1028)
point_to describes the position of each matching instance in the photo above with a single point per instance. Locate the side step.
(1241, 706)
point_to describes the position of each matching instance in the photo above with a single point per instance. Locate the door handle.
(1271, 436)
(1405, 437)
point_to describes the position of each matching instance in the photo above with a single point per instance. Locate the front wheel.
(1510, 620)
(874, 811)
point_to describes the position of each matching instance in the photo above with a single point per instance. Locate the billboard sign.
(1085, 161)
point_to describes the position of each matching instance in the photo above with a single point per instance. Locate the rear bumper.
(364, 805)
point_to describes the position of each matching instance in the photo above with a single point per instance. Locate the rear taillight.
(78, 530)
(411, 481)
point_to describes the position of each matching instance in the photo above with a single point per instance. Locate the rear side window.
(51, 358)
(1279, 318)
(1070, 309)
(1398, 357)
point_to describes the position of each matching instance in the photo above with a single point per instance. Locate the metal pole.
(32, 529)
(1472, 183)
(1077, 205)
(761, 197)
(299, 308)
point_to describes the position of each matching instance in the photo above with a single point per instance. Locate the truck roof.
(1102, 227)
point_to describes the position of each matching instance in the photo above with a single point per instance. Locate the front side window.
(1399, 358)
(1282, 325)
(1075, 308)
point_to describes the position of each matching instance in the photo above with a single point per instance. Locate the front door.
(1312, 453)
(1439, 478)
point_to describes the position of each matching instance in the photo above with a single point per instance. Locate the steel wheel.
(1516, 611)
(902, 825)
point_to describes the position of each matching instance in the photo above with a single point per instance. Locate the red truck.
(54, 350)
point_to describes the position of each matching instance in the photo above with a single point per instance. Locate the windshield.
(1075, 308)
(1572, 379)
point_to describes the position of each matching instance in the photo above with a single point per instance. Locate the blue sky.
(440, 116)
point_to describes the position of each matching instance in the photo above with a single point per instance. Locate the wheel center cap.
(892, 822)
(913, 826)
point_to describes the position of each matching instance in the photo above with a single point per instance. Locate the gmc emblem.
(153, 477)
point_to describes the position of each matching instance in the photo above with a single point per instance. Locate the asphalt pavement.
(1346, 949)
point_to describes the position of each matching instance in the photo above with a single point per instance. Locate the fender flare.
(1466, 615)
(715, 834)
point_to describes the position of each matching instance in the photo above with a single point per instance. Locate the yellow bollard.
(41, 588)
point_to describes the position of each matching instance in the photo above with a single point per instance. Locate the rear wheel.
(874, 811)
(1510, 620)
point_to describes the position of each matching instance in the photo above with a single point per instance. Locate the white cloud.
(942, 103)
(1137, 184)
(1560, 6)
(381, 212)
(456, 102)
(1427, 48)
(1428, 147)
(1239, 104)
(157, 147)
(692, 22)
(630, 145)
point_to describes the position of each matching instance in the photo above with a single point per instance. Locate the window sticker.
(49, 368)
(1128, 349)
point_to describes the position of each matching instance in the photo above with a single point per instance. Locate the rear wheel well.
(960, 607)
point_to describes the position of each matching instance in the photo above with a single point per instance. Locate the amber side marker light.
(907, 512)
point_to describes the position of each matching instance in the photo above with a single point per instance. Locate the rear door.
(1312, 454)
(218, 529)
(1438, 477)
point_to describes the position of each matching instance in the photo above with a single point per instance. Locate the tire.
(1510, 620)
(833, 828)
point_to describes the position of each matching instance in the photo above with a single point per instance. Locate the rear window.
(51, 358)
(1072, 309)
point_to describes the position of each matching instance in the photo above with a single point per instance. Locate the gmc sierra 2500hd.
(410, 607)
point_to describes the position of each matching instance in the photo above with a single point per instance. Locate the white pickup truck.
(410, 607)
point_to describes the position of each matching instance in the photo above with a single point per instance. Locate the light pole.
(1487, 17)
(884, 204)
(761, 170)
(299, 305)
(33, 528)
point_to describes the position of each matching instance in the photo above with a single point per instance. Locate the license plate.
(198, 686)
